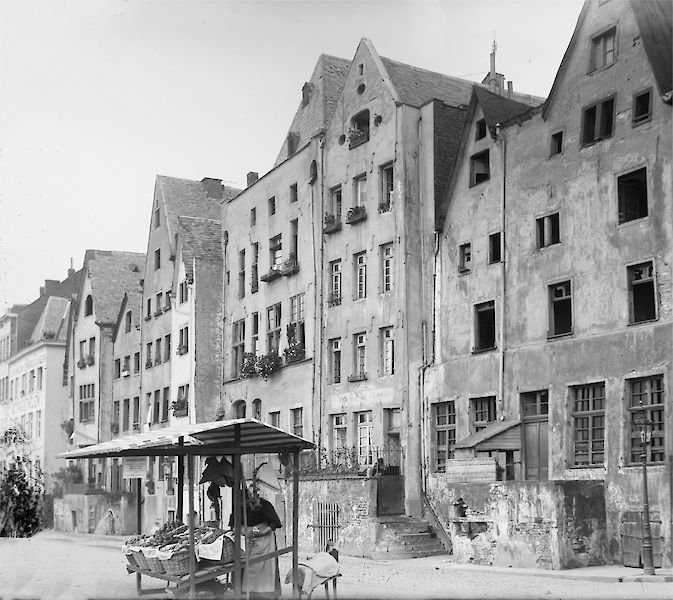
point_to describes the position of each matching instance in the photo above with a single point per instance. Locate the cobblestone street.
(74, 567)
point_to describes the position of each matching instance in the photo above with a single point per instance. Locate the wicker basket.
(140, 560)
(154, 565)
(178, 564)
(131, 558)
(227, 550)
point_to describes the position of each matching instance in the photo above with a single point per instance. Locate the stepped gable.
(187, 198)
(201, 239)
(328, 79)
(655, 23)
(112, 274)
(53, 321)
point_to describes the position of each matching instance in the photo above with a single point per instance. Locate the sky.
(97, 98)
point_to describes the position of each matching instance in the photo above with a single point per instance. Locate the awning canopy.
(234, 437)
(493, 436)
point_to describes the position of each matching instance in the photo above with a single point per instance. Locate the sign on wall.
(135, 467)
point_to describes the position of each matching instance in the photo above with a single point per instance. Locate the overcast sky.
(97, 98)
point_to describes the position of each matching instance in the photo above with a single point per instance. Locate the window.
(118, 368)
(339, 433)
(272, 205)
(603, 49)
(444, 421)
(254, 269)
(646, 395)
(257, 409)
(148, 355)
(387, 188)
(253, 216)
(183, 290)
(167, 300)
(237, 347)
(548, 230)
(183, 348)
(632, 195)
(588, 414)
(183, 392)
(335, 360)
(360, 262)
(642, 108)
(82, 349)
(494, 248)
(115, 415)
(294, 237)
(87, 395)
(157, 355)
(274, 419)
(360, 191)
(387, 267)
(148, 314)
(126, 415)
(296, 329)
(293, 193)
(276, 251)
(556, 146)
(157, 221)
(241, 273)
(560, 309)
(480, 169)
(297, 417)
(167, 348)
(31, 381)
(39, 378)
(598, 121)
(255, 333)
(157, 304)
(359, 357)
(88, 306)
(535, 408)
(156, 409)
(480, 129)
(38, 424)
(359, 129)
(484, 322)
(273, 320)
(364, 448)
(465, 258)
(164, 404)
(335, 293)
(157, 259)
(387, 350)
(335, 203)
(483, 412)
(92, 349)
(642, 299)
(136, 362)
(136, 413)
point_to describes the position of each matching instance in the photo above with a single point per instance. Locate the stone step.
(416, 537)
(379, 555)
(406, 527)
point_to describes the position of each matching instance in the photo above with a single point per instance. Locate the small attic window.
(556, 146)
(306, 93)
(480, 169)
(361, 89)
(88, 306)
(359, 129)
(292, 143)
(480, 132)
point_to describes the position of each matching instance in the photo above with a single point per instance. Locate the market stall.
(220, 438)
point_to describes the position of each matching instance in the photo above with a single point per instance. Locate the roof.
(328, 79)
(112, 274)
(132, 301)
(52, 324)
(496, 108)
(417, 86)
(490, 431)
(187, 198)
(655, 23)
(202, 239)
(203, 439)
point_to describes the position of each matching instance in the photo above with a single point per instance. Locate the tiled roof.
(328, 79)
(112, 274)
(417, 86)
(496, 108)
(52, 324)
(655, 23)
(187, 198)
(201, 238)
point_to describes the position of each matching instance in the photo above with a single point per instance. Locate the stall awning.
(238, 436)
(495, 436)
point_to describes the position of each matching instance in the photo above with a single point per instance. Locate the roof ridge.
(454, 77)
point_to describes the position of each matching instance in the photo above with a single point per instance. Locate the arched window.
(359, 129)
(257, 409)
(88, 306)
(239, 409)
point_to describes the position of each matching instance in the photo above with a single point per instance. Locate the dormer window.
(359, 129)
(88, 306)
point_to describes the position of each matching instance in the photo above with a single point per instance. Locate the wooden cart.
(233, 439)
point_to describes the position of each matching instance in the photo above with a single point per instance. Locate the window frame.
(386, 351)
(621, 211)
(237, 346)
(648, 407)
(553, 145)
(336, 280)
(491, 246)
(386, 186)
(599, 106)
(601, 35)
(335, 361)
(477, 156)
(629, 286)
(360, 190)
(273, 314)
(360, 275)
(481, 405)
(544, 227)
(552, 301)
(591, 413)
(635, 122)
(387, 267)
(465, 257)
(481, 308)
(449, 426)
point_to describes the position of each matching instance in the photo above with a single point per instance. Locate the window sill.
(552, 156)
(642, 121)
(643, 322)
(594, 142)
(148, 317)
(601, 69)
(543, 248)
(476, 183)
(355, 378)
(633, 221)
(482, 350)
(558, 336)
(464, 271)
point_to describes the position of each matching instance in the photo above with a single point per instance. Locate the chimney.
(212, 187)
(71, 270)
(50, 287)
(252, 177)
(509, 89)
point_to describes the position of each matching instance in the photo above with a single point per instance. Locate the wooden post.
(236, 575)
(295, 525)
(181, 482)
(192, 557)
(139, 524)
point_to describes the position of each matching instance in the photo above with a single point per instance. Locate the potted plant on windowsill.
(179, 407)
(273, 273)
(331, 223)
(89, 360)
(267, 364)
(248, 366)
(355, 214)
(290, 266)
(294, 352)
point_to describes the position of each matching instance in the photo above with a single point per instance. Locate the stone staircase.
(406, 537)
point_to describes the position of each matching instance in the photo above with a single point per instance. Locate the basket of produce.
(152, 559)
(178, 561)
(216, 547)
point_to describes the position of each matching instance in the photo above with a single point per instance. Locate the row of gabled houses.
(460, 293)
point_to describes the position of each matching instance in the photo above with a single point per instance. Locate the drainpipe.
(318, 304)
(503, 262)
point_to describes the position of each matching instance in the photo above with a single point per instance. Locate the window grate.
(326, 525)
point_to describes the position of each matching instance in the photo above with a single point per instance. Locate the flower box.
(357, 377)
(267, 364)
(290, 266)
(89, 360)
(356, 214)
(332, 224)
(274, 273)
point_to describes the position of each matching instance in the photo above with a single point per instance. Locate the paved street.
(74, 567)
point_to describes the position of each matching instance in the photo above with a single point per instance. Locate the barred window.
(588, 416)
